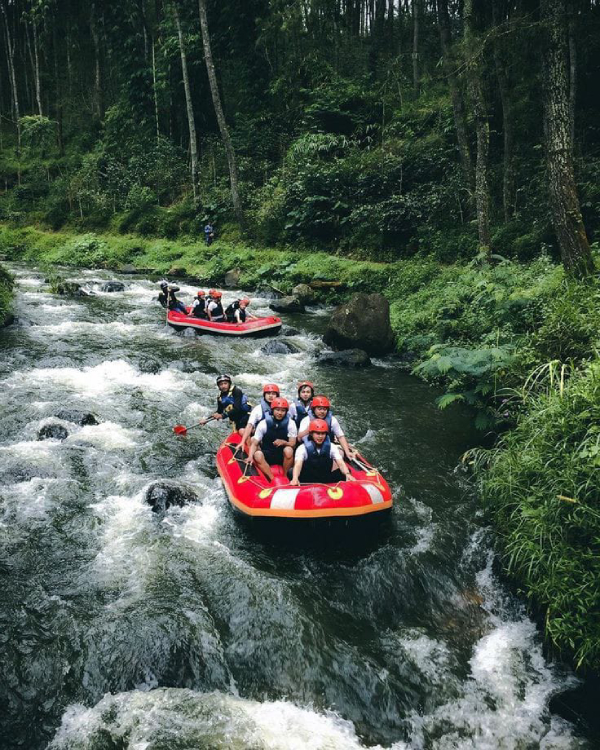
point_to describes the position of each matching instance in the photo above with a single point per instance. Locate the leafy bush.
(541, 487)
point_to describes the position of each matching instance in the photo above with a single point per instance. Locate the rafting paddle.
(181, 429)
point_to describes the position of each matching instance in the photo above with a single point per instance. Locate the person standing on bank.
(209, 233)
(231, 403)
(317, 460)
(274, 440)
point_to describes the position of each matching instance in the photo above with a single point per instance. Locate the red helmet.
(245, 300)
(212, 292)
(306, 384)
(216, 294)
(318, 425)
(279, 403)
(201, 293)
(321, 401)
(271, 388)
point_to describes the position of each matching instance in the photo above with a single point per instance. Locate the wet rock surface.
(53, 432)
(232, 278)
(305, 294)
(347, 358)
(279, 347)
(71, 289)
(289, 331)
(287, 304)
(162, 495)
(363, 322)
(82, 418)
(113, 286)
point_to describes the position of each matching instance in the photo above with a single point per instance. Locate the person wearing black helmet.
(231, 403)
(168, 299)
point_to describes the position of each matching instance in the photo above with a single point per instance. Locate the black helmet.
(163, 284)
(223, 377)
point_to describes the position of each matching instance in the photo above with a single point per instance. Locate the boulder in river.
(76, 416)
(287, 304)
(53, 432)
(363, 322)
(162, 495)
(232, 278)
(347, 358)
(279, 347)
(305, 294)
(70, 289)
(113, 286)
(289, 331)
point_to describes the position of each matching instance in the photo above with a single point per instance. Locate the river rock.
(175, 271)
(289, 331)
(279, 347)
(305, 294)
(162, 495)
(287, 304)
(76, 416)
(128, 268)
(347, 358)
(70, 289)
(232, 278)
(53, 432)
(21, 474)
(8, 321)
(363, 322)
(113, 286)
(189, 333)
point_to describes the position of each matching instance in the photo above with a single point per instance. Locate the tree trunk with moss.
(216, 97)
(188, 104)
(473, 70)
(564, 200)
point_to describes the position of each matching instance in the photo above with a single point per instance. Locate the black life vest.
(328, 416)
(318, 460)
(199, 308)
(230, 312)
(217, 313)
(227, 402)
(275, 431)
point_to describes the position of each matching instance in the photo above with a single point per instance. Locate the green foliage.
(6, 295)
(541, 487)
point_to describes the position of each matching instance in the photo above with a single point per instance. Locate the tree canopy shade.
(374, 126)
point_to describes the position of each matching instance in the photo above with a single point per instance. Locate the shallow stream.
(120, 628)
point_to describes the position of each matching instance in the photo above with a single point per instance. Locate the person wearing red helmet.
(274, 439)
(320, 408)
(260, 411)
(214, 308)
(199, 305)
(317, 460)
(237, 311)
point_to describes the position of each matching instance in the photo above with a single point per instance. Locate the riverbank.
(6, 296)
(478, 331)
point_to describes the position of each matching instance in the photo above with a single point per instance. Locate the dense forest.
(448, 151)
(377, 126)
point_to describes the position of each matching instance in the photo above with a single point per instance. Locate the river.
(120, 628)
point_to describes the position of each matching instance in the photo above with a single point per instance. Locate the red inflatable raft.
(253, 327)
(251, 493)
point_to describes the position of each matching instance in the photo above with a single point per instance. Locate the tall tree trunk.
(564, 201)
(508, 170)
(36, 70)
(155, 91)
(98, 90)
(572, 64)
(59, 102)
(188, 104)
(474, 78)
(458, 104)
(416, 11)
(214, 89)
(10, 53)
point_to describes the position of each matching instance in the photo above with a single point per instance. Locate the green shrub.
(542, 490)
